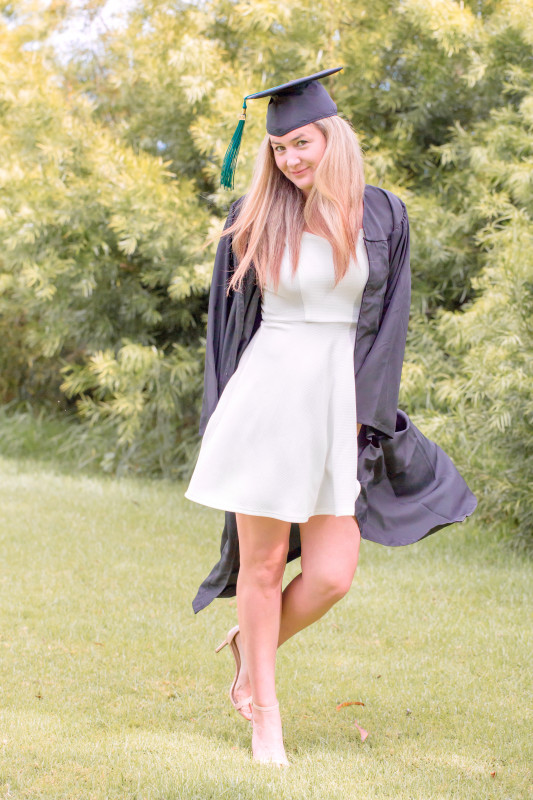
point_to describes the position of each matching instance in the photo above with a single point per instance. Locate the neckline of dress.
(323, 237)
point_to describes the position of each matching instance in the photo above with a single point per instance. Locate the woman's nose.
(293, 159)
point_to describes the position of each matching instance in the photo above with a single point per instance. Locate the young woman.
(302, 440)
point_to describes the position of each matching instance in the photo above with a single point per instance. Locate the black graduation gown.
(409, 486)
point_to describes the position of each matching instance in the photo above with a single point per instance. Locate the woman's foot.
(242, 689)
(267, 738)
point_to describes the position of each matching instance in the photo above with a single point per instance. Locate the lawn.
(110, 687)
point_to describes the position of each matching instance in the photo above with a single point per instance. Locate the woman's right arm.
(217, 315)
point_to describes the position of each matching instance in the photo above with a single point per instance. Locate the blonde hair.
(275, 210)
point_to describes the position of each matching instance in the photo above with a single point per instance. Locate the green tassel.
(232, 153)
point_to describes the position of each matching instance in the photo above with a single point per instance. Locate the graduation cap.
(291, 105)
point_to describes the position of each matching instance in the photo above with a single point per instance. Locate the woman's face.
(299, 153)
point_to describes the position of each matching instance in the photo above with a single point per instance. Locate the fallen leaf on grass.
(492, 774)
(349, 703)
(361, 730)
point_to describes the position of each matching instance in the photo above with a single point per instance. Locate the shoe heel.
(229, 638)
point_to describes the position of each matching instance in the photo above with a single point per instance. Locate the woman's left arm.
(381, 370)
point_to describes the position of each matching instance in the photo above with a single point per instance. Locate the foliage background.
(109, 168)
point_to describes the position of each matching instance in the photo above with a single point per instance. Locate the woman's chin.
(304, 185)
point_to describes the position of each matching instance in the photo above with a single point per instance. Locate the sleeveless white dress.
(282, 440)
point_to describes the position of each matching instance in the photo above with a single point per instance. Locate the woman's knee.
(265, 575)
(338, 588)
(331, 584)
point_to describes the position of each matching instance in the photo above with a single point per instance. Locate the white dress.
(282, 440)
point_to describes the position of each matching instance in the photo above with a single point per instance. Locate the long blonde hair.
(275, 210)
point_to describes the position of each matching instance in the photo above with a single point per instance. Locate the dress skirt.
(282, 440)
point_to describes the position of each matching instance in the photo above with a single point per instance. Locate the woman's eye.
(279, 148)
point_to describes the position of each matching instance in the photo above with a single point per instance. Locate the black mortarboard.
(291, 105)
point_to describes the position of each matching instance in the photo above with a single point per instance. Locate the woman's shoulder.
(384, 212)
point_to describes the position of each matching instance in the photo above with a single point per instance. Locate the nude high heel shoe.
(281, 760)
(230, 639)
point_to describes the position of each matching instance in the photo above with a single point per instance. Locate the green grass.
(109, 686)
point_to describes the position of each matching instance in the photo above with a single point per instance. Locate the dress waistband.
(284, 322)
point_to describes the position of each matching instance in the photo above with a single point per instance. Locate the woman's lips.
(298, 173)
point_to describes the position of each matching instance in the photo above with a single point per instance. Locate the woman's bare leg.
(263, 545)
(330, 551)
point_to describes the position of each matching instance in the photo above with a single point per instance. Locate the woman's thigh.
(262, 540)
(330, 549)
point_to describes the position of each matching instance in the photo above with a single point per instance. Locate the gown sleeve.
(381, 370)
(217, 316)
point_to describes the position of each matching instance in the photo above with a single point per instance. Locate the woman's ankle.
(265, 699)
